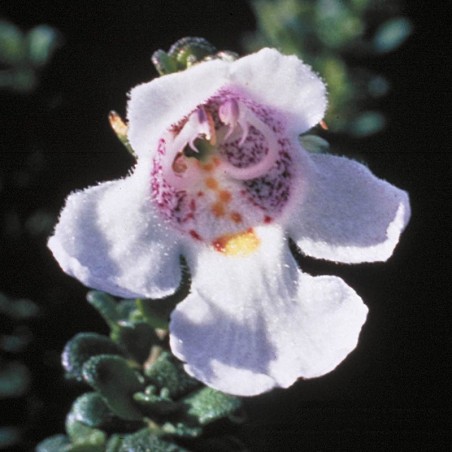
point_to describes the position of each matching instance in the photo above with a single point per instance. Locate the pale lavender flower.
(221, 179)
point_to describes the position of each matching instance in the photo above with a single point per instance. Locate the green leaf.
(81, 348)
(367, 123)
(167, 372)
(56, 443)
(42, 42)
(314, 143)
(12, 50)
(392, 34)
(81, 434)
(136, 338)
(208, 405)
(85, 448)
(105, 305)
(18, 309)
(14, 379)
(142, 441)
(91, 410)
(116, 382)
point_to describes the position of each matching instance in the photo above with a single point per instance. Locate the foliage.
(23, 55)
(337, 38)
(139, 397)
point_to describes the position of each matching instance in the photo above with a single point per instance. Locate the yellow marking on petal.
(241, 244)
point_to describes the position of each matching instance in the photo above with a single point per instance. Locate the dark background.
(395, 388)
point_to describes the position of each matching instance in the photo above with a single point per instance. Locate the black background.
(394, 390)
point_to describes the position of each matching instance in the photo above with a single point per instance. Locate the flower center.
(223, 170)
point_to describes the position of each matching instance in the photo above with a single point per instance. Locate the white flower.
(222, 180)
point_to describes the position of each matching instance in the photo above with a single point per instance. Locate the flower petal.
(155, 106)
(110, 239)
(347, 214)
(256, 322)
(278, 81)
(285, 83)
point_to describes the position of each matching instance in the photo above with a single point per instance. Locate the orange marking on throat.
(207, 167)
(211, 183)
(225, 196)
(236, 217)
(218, 209)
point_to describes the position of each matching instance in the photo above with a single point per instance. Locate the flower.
(221, 179)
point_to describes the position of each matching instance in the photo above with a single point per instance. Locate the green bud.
(190, 50)
(163, 62)
(185, 53)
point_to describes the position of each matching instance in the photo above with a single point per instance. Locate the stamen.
(229, 115)
(233, 114)
(178, 171)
